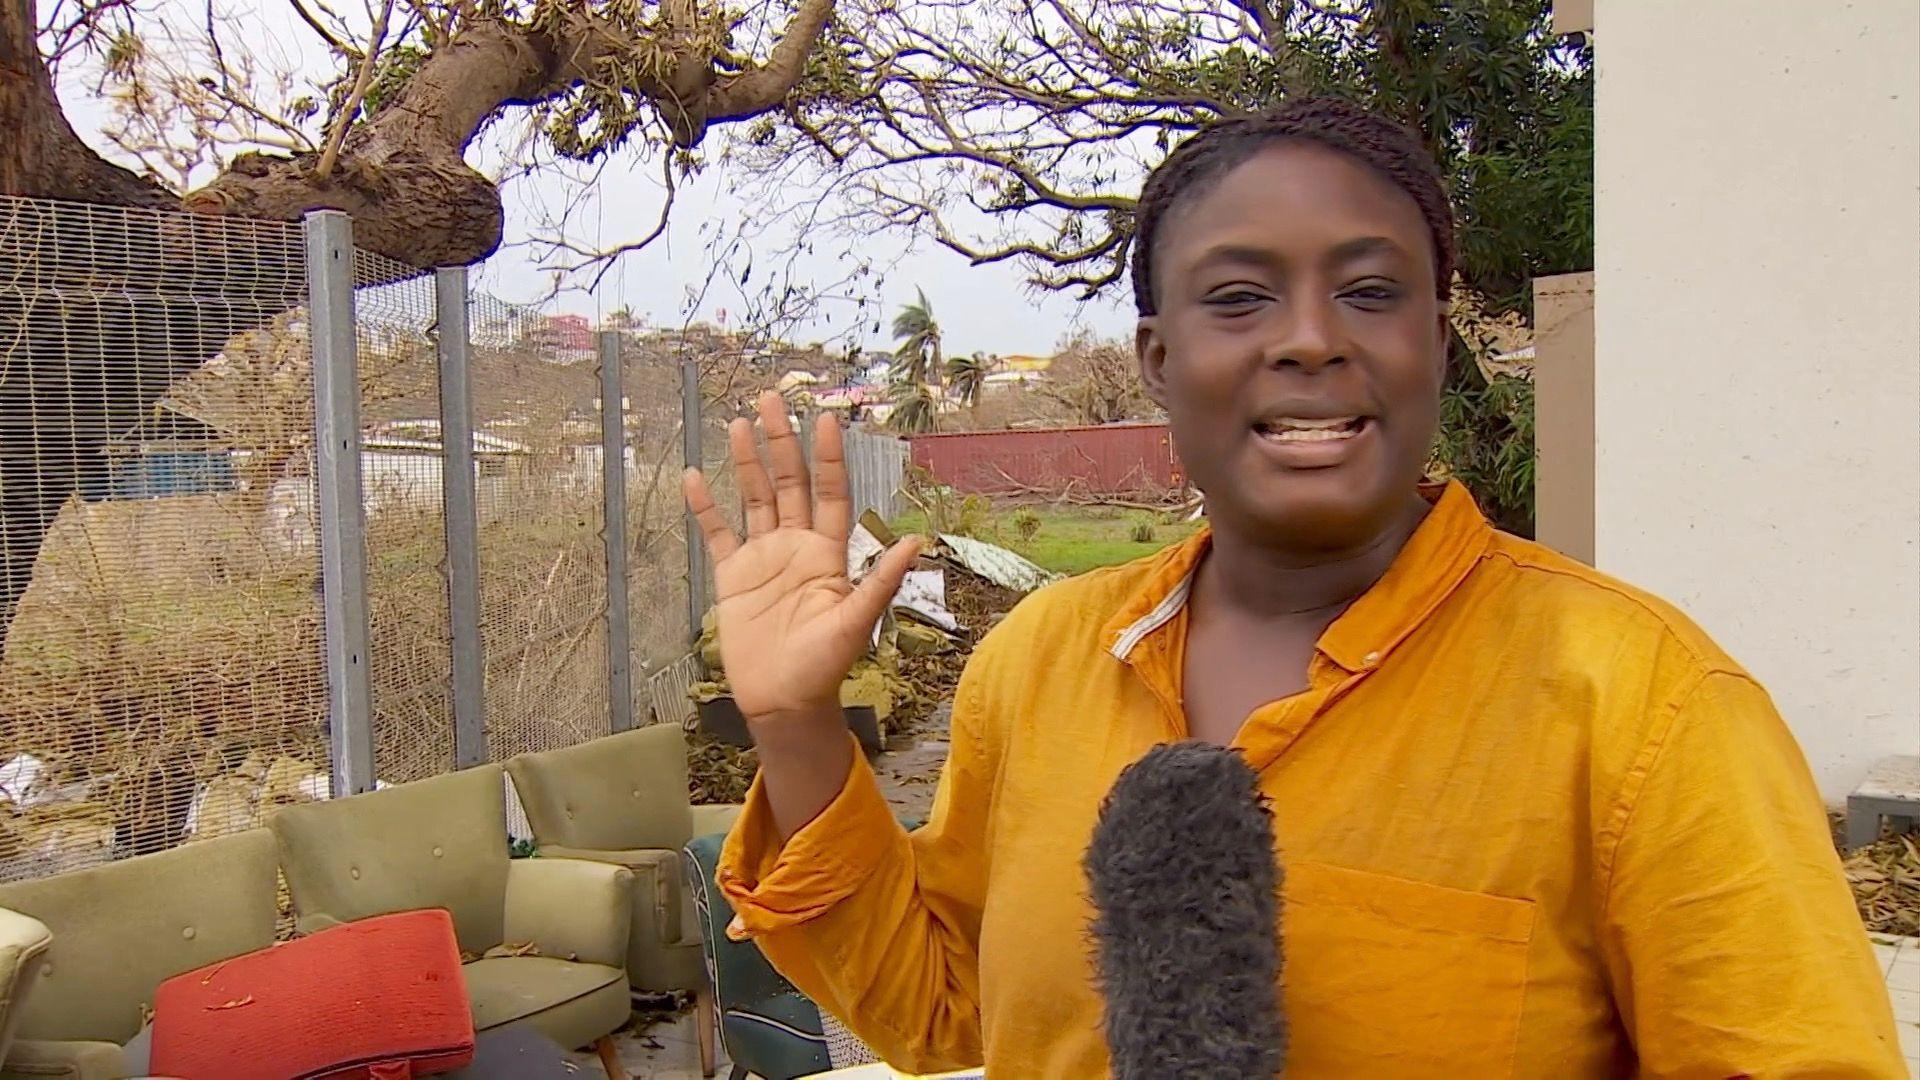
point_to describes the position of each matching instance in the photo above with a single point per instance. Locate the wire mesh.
(655, 532)
(717, 456)
(162, 677)
(164, 674)
(543, 592)
(401, 463)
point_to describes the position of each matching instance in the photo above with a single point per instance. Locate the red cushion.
(371, 1000)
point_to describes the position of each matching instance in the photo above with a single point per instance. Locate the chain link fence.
(189, 592)
(401, 472)
(543, 590)
(162, 658)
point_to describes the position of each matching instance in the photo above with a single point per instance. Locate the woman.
(1533, 822)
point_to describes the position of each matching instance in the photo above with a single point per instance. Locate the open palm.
(790, 623)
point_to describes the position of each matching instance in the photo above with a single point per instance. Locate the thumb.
(870, 598)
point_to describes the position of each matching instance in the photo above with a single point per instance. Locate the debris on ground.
(1885, 877)
(958, 592)
(241, 798)
(1004, 568)
(54, 838)
(718, 773)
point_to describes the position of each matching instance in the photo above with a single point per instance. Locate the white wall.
(1757, 336)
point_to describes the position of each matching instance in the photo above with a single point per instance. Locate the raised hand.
(790, 623)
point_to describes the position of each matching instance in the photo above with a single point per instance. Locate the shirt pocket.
(1394, 978)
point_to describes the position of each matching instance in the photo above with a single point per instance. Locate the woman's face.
(1299, 346)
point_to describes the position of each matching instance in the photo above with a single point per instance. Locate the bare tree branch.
(330, 153)
(336, 39)
(415, 141)
(602, 260)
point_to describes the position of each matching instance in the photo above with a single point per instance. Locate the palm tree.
(913, 411)
(918, 333)
(968, 377)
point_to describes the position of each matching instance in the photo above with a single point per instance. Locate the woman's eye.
(1371, 294)
(1234, 300)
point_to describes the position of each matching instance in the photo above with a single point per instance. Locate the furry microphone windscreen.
(1184, 883)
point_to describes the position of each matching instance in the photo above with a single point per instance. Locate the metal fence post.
(460, 501)
(343, 524)
(613, 489)
(690, 452)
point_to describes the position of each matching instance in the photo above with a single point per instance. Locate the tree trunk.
(41, 154)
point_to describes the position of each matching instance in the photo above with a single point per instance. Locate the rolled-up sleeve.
(776, 887)
(879, 927)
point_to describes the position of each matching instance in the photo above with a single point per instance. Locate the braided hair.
(1372, 139)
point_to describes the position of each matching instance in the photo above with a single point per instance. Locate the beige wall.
(1757, 371)
(1563, 413)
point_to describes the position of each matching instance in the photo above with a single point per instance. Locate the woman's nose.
(1305, 336)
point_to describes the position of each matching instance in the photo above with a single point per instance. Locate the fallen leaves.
(1885, 877)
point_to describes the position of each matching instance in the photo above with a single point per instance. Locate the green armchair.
(23, 952)
(623, 800)
(118, 932)
(546, 937)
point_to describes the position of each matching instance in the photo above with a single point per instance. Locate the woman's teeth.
(1293, 430)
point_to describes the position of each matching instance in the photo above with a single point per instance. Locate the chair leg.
(738, 1072)
(703, 1018)
(610, 1058)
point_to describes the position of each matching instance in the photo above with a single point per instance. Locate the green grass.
(1073, 539)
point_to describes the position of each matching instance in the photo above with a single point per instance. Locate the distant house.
(567, 338)
(166, 454)
(403, 459)
(1030, 364)
(402, 470)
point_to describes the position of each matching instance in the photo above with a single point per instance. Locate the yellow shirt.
(1532, 823)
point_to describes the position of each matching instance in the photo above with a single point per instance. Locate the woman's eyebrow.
(1237, 255)
(1362, 246)
(1254, 255)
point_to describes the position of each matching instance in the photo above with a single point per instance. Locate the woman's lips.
(1312, 442)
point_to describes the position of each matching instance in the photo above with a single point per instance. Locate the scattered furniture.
(545, 938)
(623, 800)
(23, 949)
(119, 931)
(1891, 790)
(769, 1028)
(375, 998)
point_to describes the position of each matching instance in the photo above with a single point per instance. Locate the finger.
(756, 491)
(833, 496)
(876, 591)
(792, 497)
(713, 527)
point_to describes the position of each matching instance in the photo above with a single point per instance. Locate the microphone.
(1184, 882)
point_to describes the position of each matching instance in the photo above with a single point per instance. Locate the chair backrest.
(23, 953)
(438, 843)
(620, 793)
(121, 929)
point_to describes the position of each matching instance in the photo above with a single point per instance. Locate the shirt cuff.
(774, 886)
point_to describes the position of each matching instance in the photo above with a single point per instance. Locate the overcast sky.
(986, 308)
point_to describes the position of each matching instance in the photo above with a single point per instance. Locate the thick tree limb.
(402, 173)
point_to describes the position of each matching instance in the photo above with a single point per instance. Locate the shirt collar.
(1435, 560)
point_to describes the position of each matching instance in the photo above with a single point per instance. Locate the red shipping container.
(1113, 460)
